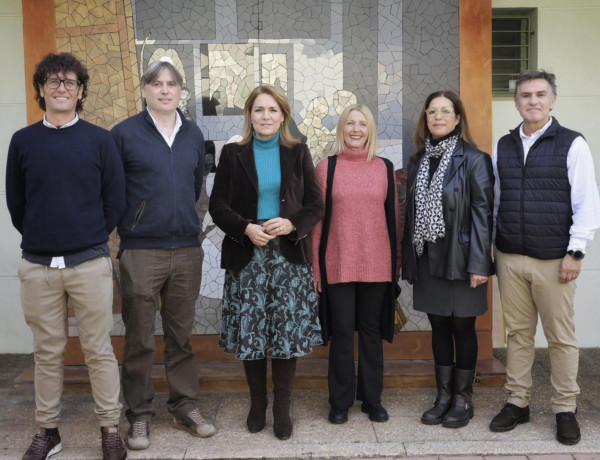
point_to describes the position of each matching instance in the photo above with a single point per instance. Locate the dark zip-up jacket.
(535, 213)
(163, 184)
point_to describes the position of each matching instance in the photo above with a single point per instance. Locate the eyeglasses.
(445, 111)
(54, 83)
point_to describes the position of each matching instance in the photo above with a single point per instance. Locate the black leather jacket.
(468, 203)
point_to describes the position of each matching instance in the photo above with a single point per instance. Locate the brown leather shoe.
(43, 446)
(113, 447)
(509, 417)
(567, 428)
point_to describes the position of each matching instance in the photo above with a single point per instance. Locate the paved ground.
(314, 437)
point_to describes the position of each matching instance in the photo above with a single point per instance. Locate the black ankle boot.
(283, 371)
(461, 410)
(441, 406)
(256, 376)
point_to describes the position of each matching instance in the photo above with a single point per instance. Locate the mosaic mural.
(325, 54)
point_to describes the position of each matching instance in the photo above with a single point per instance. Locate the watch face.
(577, 255)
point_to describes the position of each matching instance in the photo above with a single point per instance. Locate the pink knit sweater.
(358, 248)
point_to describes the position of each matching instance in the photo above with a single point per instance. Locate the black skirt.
(439, 296)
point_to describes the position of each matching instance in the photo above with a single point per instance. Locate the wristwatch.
(577, 255)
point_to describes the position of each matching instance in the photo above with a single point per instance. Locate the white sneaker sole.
(57, 448)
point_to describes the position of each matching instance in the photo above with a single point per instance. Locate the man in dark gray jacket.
(160, 254)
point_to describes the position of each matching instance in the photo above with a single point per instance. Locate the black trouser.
(355, 304)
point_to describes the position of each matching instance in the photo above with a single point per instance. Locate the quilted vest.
(535, 214)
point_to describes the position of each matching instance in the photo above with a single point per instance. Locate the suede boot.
(283, 371)
(441, 406)
(461, 410)
(256, 376)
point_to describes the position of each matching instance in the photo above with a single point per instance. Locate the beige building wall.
(568, 37)
(15, 336)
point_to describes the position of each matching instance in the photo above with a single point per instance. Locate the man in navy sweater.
(65, 191)
(160, 256)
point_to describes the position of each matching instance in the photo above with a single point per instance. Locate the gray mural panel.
(175, 19)
(430, 43)
(282, 19)
(360, 50)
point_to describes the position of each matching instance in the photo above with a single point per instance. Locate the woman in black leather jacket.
(447, 247)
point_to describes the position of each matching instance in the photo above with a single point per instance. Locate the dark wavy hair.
(422, 131)
(53, 64)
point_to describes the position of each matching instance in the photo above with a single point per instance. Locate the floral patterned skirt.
(270, 308)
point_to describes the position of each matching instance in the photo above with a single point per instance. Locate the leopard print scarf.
(429, 217)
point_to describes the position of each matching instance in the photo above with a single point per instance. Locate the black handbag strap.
(331, 162)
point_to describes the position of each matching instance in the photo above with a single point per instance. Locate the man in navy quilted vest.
(546, 210)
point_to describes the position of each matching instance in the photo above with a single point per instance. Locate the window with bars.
(512, 48)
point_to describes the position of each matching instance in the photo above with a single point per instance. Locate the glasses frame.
(63, 81)
(433, 112)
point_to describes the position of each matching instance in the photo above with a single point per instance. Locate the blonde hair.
(285, 138)
(371, 144)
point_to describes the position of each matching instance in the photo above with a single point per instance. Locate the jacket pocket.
(138, 214)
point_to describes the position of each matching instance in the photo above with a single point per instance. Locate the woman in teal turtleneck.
(266, 199)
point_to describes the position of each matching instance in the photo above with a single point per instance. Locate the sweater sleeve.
(315, 235)
(400, 216)
(113, 184)
(15, 186)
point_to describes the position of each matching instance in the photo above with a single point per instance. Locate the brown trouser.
(44, 293)
(173, 276)
(530, 287)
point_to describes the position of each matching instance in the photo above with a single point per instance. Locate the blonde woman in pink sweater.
(356, 258)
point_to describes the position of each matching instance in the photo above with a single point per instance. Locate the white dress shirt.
(168, 139)
(585, 200)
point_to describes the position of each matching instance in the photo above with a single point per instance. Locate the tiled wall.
(387, 54)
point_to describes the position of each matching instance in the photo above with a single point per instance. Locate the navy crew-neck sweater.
(65, 188)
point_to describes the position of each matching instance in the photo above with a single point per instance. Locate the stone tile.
(358, 429)
(410, 429)
(550, 457)
(506, 457)
(540, 427)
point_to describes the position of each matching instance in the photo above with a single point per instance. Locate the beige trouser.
(529, 287)
(44, 294)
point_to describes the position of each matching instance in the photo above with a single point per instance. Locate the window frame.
(528, 16)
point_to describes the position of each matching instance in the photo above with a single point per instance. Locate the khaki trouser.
(44, 294)
(530, 287)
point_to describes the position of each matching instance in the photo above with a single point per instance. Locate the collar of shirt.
(528, 141)
(171, 139)
(47, 124)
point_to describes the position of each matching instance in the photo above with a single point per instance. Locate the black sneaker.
(112, 444)
(509, 417)
(567, 428)
(43, 446)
